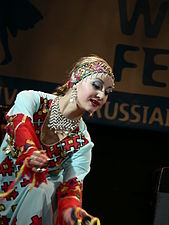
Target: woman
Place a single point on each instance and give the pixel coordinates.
(46, 152)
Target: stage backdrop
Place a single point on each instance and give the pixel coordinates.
(132, 35)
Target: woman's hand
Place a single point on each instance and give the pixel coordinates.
(67, 215)
(38, 161)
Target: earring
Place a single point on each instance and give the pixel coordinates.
(73, 95)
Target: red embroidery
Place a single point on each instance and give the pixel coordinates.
(40, 115)
(13, 194)
(70, 188)
(22, 133)
(36, 220)
(6, 167)
(4, 220)
(25, 182)
(68, 194)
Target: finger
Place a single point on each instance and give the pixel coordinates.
(43, 152)
(40, 152)
(36, 153)
(83, 213)
(36, 161)
(41, 156)
(36, 156)
(34, 169)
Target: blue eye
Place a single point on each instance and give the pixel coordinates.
(97, 85)
(108, 91)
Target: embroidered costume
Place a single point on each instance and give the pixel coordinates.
(40, 198)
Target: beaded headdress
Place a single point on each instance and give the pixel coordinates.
(88, 69)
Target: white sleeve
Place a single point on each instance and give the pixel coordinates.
(79, 164)
(27, 102)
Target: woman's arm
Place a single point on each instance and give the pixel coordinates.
(70, 191)
(21, 138)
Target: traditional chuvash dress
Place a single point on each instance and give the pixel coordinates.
(39, 198)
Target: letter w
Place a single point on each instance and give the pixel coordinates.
(142, 7)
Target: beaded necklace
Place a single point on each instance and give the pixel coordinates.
(59, 122)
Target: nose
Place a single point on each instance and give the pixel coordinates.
(101, 95)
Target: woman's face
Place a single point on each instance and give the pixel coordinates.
(92, 92)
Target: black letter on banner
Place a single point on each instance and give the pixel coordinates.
(150, 66)
(120, 62)
(142, 7)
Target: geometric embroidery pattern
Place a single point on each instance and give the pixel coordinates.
(6, 167)
(65, 148)
(36, 220)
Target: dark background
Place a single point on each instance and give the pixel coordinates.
(121, 187)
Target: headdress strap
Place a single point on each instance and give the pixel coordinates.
(88, 69)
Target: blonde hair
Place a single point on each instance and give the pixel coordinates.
(82, 61)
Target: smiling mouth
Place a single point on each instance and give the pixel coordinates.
(94, 103)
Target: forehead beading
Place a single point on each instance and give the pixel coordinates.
(89, 69)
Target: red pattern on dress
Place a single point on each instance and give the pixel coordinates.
(26, 140)
(36, 220)
(69, 196)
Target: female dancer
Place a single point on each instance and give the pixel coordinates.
(46, 152)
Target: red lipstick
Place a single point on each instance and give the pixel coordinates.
(94, 103)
